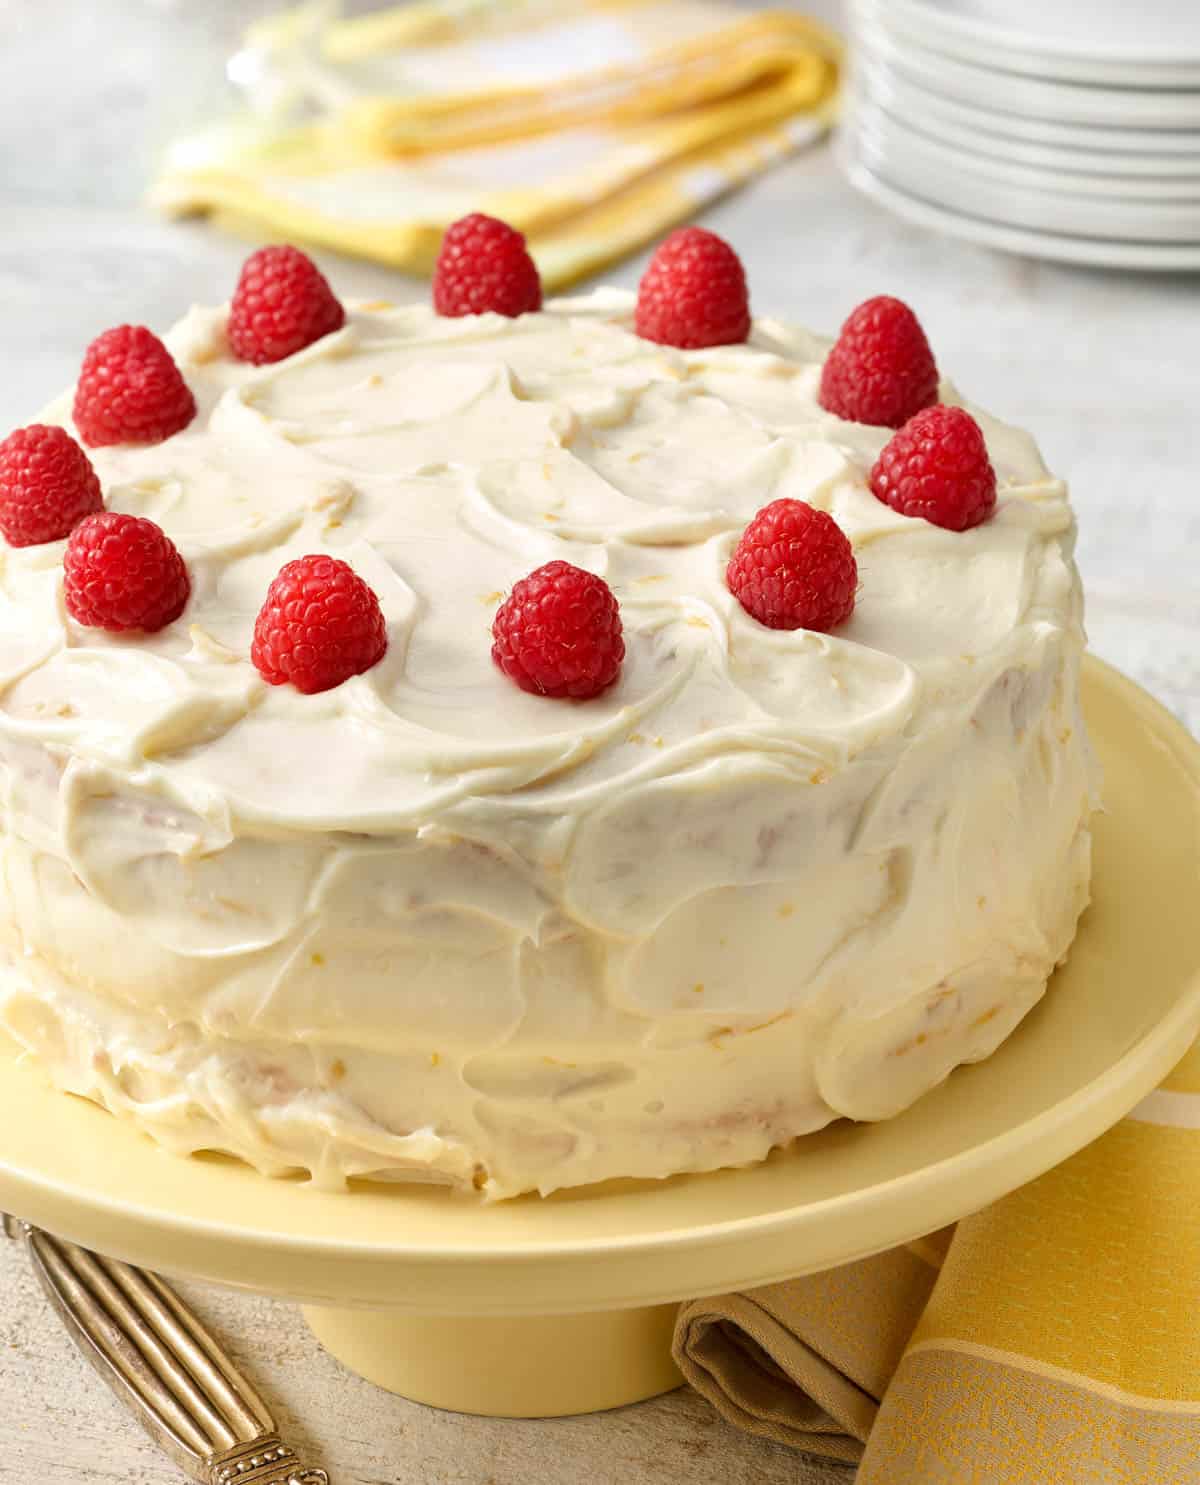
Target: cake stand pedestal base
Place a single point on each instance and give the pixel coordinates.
(507, 1366)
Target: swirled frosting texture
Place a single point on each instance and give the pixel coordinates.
(427, 924)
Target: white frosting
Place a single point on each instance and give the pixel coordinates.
(426, 924)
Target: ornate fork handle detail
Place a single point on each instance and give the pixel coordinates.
(267, 1461)
(165, 1366)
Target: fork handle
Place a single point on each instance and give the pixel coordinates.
(164, 1365)
(266, 1461)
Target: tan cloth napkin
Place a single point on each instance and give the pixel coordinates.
(1052, 1339)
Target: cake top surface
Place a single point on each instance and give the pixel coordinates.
(446, 458)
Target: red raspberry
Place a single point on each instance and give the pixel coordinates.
(130, 390)
(123, 572)
(282, 303)
(483, 266)
(320, 625)
(693, 293)
(937, 467)
(558, 633)
(794, 568)
(47, 485)
(881, 369)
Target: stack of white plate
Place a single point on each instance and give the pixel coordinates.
(1064, 129)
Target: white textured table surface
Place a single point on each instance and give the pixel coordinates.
(1101, 366)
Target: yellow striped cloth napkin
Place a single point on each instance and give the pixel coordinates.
(592, 127)
(1052, 1339)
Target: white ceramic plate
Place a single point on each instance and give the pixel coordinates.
(1091, 252)
(1033, 209)
(1152, 45)
(901, 95)
(885, 133)
(1024, 206)
(1039, 98)
(1110, 164)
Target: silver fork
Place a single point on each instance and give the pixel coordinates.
(164, 1365)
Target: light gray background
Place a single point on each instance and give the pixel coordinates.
(1105, 368)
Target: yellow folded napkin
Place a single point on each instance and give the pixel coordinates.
(592, 127)
(1052, 1339)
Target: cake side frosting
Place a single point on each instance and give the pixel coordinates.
(426, 923)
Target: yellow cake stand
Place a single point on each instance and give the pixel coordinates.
(538, 1307)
